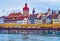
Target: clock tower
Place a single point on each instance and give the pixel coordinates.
(26, 10)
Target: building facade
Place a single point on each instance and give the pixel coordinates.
(34, 18)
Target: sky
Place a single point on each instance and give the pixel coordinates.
(8, 6)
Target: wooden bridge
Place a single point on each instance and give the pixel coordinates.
(29, 27)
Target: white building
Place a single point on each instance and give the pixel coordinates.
(55, 21)
(20, 22)
(38, 21)
(1, 20)
(24, 21)
(44, 19)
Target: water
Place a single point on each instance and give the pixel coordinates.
(27, 37)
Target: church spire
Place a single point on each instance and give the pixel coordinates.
(33, 11)
(48, 9)
(25, 4)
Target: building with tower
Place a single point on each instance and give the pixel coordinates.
(34, 18)
(26, 10)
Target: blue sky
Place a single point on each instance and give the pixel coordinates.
(7, 6)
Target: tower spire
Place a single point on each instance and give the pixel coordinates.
(48, 9)
(33, 11)
(25, 4)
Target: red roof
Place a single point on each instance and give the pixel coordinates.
(15, 15)
(19, 17)
(26, 7)
(22, 17)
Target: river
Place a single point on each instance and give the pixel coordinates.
(27, 37)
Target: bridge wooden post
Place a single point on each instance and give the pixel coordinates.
(8, 30)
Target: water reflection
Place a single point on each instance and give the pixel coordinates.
(27, 37)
